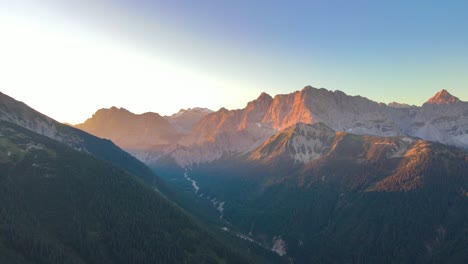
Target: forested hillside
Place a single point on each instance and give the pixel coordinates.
(58, 205)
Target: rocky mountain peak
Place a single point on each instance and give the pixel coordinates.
(308, 88)
(443, 97)
(181, 111)
(264, 97)
(117, 109)
(113, 111)
(263, 101)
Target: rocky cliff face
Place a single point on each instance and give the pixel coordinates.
(337, 110)
(299, 143)
(288, 109)
(20, 114)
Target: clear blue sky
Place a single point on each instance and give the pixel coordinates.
(164, 55)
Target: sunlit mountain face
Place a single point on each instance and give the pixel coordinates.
(231, 132)
(187, 132)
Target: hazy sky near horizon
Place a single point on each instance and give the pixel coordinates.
(67, 59)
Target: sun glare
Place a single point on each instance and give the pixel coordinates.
(41, 62)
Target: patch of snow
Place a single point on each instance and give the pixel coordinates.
(245, 237)
(225, 229)
(407, 139)
(279, 246)
(220, 207)
(384, 143)
(9, 153)
(307, 144)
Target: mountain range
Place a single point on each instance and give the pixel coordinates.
(210, 135)
(321, 176)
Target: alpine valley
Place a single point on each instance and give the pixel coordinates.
(314, 176)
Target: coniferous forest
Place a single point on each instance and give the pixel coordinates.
(58, 205)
